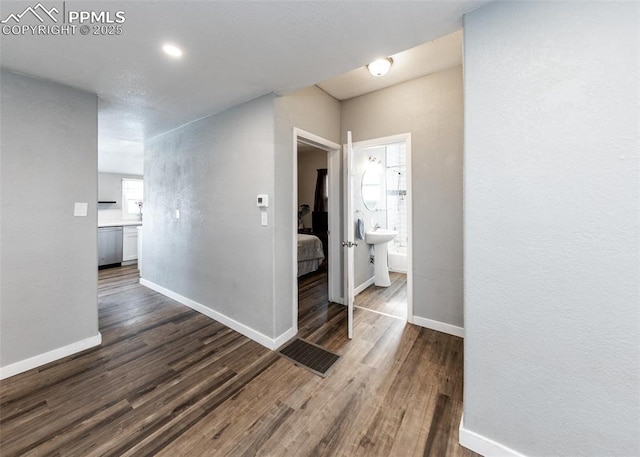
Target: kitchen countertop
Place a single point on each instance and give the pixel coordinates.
(120, 223)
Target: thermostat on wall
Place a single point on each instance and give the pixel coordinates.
(262, 201)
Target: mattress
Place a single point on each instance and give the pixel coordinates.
(310, 254)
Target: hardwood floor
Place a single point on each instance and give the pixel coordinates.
(168, 381)
(390, 300)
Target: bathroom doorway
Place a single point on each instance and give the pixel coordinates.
(381, 203)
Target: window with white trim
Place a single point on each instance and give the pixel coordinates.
(132, 198)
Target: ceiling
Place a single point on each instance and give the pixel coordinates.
(425, 59)
(234, 51)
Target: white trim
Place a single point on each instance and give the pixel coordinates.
(410, 316)
(314, 140)
(286, 336)
(364, 285)
(48, 357)
(439, 326)
(384, 140)
(380, 312)
(348, 235)
(294, 238)
(483, 445)
(335, 230)
(261, 338)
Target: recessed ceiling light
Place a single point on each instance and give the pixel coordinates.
(172, 50)
(380, 67)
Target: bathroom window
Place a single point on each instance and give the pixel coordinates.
(132, 198)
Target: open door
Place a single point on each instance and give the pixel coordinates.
(349, 242)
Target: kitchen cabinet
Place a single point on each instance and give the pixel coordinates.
(109, 191)
(129, 243)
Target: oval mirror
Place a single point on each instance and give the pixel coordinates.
(372, 187)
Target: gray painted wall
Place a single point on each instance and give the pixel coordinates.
(314, 111)
(217, 253)
(552, 347)
(430, 108)
(49, 156)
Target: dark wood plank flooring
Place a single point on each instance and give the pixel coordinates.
(390, 300)
(169, 381)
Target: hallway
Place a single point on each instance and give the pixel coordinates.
(169, 381)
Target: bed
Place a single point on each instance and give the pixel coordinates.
(310, 254)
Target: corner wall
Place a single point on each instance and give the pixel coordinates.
(552, 324)
(48, 142)
(217, 258)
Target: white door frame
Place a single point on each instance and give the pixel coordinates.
(334, 216)
(406, 138)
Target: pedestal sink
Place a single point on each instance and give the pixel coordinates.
(379, 238)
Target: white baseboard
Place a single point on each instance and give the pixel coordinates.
(363, 286)
(261, 338)
(483, 445)
(48, 357)
(286, 336)
(439, 326)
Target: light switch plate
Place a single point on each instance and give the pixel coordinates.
(265, 218)
(80, 209)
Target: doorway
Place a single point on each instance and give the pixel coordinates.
(380, 201)
(316, 254)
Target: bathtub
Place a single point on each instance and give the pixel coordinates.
(397, 257)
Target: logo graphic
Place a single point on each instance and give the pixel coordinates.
(41, 21)
(34, 10)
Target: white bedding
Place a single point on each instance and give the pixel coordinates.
(310, 254)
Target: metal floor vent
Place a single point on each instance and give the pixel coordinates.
(310, 356)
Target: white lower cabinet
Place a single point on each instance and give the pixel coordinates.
(129, 243)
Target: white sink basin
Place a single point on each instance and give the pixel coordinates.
(379, 236)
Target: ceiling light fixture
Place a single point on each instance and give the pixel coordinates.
(380, 67)
(172, 50)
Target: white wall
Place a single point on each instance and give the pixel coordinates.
(430, 108)
(363, 268)
(552, 323)
(110, 189)
(49, 264)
